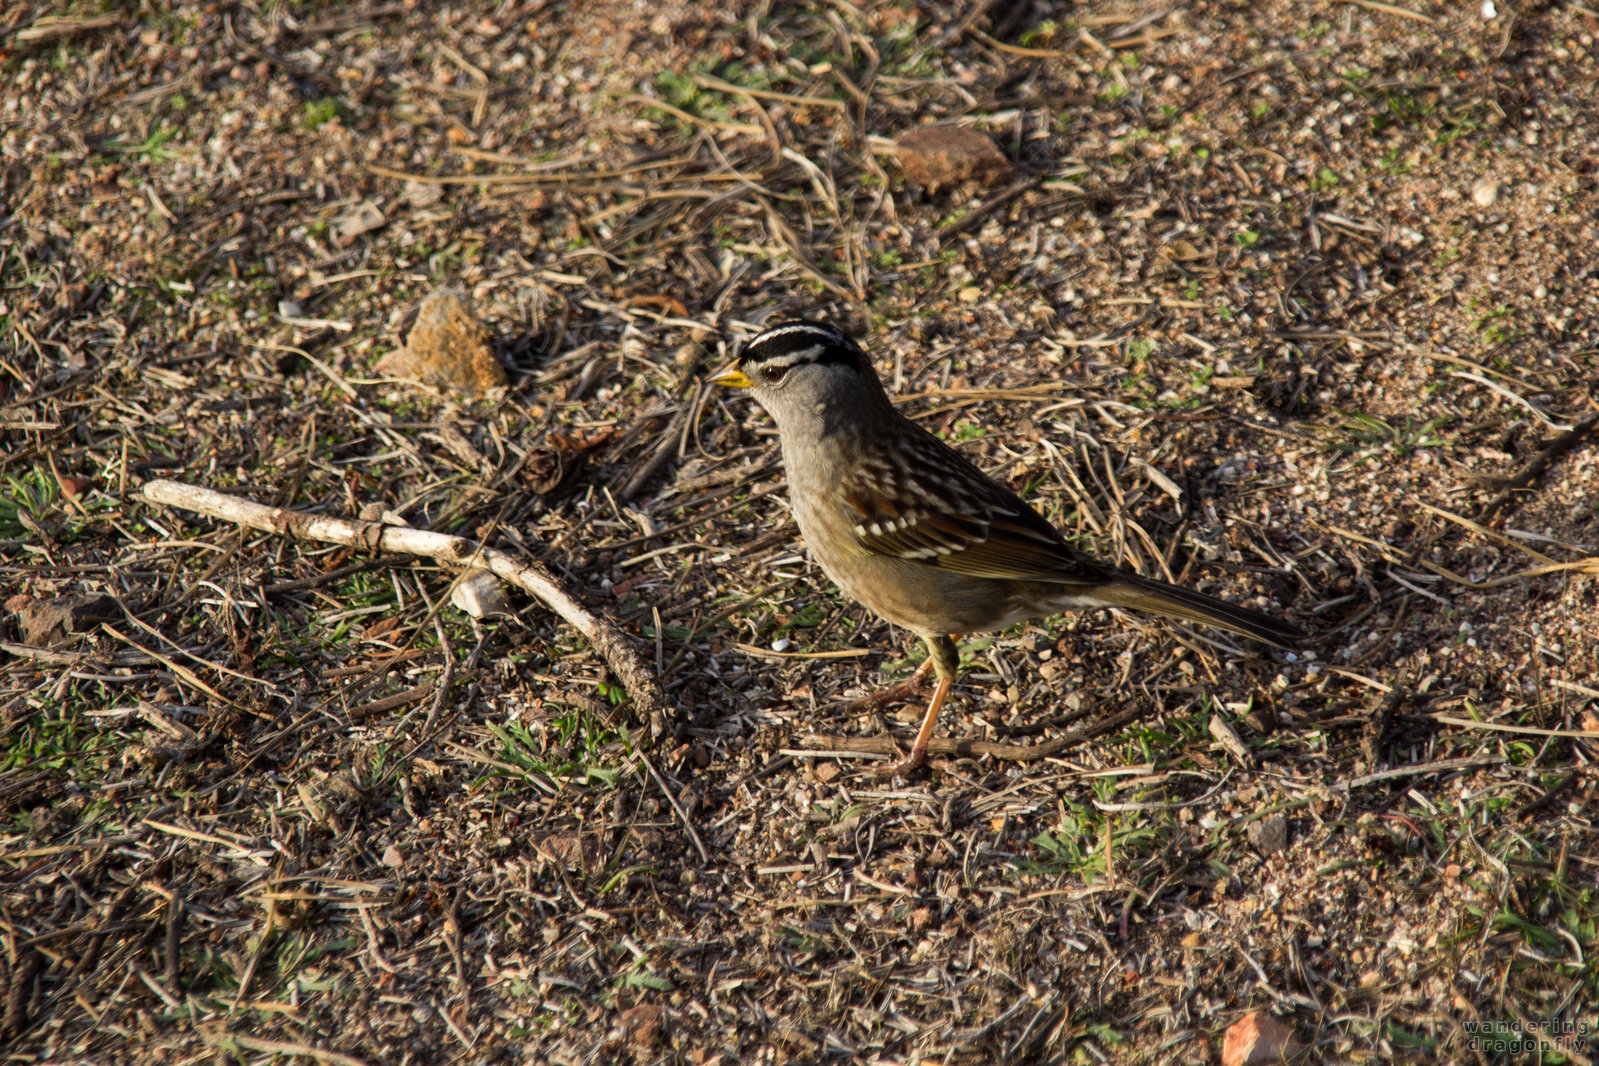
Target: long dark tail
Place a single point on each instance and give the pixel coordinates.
(1157, 597)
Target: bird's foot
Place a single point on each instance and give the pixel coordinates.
(902, 767)
(918, 755)
(911, 686)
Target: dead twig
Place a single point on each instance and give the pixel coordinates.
(665, 448)
(884, 745)
(1545, 459)
(1554, 792)
(1229, 740)
(532, 578)
(225, 1040)
(677, 808)
(1441, 766)
(1376, 732)
(976, 216)
(1525, 730)
(1394, 9)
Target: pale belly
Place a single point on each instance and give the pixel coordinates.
(923, 599)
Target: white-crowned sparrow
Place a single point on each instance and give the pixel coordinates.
(915, 532)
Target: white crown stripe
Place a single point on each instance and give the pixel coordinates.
(796, 327)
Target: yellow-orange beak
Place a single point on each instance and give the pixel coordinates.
(733, 377)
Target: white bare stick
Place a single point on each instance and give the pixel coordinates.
(447, 548)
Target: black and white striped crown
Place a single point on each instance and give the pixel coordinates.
(793, 343)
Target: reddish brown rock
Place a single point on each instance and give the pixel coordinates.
(940, 156)
(1257, 1039)
(643, 1024)
(448, 348)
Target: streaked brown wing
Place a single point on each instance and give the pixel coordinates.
(940, 510)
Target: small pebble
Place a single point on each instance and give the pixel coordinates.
(781, 644)
(1269, 835)
(1485, 193)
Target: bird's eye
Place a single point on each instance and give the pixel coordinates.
(774, 374)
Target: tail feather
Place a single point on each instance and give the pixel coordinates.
(1173, 601)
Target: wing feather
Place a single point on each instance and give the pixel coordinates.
(939, 510)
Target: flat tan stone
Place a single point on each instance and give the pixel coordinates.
(448, 348)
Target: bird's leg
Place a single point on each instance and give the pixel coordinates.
(896, 693)
(946, 660)
(918, 754)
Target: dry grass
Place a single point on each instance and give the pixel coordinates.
(1297, 302)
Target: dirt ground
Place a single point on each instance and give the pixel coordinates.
(1294, 302)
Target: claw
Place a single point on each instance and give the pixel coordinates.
(918, 755)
